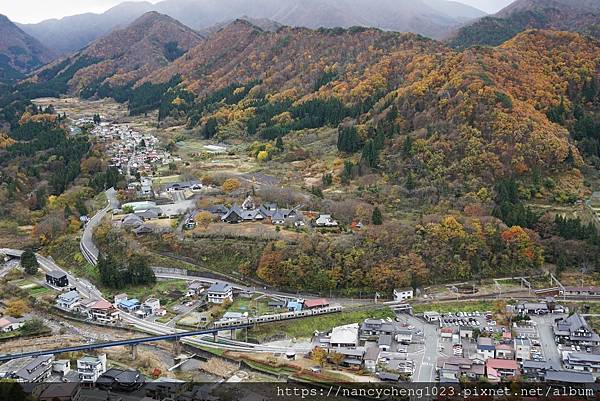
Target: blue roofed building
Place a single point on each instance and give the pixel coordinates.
(129, 305)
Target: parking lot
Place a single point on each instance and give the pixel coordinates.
(475, 320)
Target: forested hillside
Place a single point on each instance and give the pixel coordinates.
(19, 52)
(120, 58)
(469, 118)
(581, 16)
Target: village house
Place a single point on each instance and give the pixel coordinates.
(465, 332)
(61, 392)
(61, 366)
(28, 369)
(68, 300)
(129, 305)
(565, 376)
(505, 351)
(194, 288)
(582, 361)
(431, 316)
(402, 294)
(9, 323)
(575, 330)
(218, 293)
(497, 369)
(57, 278)
(90, 368)
(452, 368)
(532, 308)
(486, 347)
(344, 336)
(536, 370)
(370, 328)
(371, 357)
(522, 349)
(325, 220)
(103, 312)
(352, 356)
(248, 212)
(153, 304)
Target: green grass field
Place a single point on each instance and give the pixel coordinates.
(38, 291)
(305, 327)
(466, 306)
(254, 307)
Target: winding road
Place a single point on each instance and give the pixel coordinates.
(88, 247)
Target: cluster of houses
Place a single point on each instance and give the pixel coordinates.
(40, 368)
(249, 211)
(379, 346)
(104, 312)
(494, 359)
(150, 307)
(144, 189)
(100, 311)
(131, 151)
(498, 358)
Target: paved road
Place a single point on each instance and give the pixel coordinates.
(88, 247)
(426, 371)
(544, 326)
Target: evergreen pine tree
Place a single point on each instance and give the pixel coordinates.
(29, 262)
(377, 217)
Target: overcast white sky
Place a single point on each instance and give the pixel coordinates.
(25, 11)
(31, 11)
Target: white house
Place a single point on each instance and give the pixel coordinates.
(219, 293)
(486, 347)
(90, 368)
(522, 349)
(68, 300)
(402, 294)
(61, 366)
(153, 304)
(344, 336)
(103, 311)
(325, 220)
(195, 288)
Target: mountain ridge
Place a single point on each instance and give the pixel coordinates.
(582, 16)
(428, 17)
(125, 55)
(19, 52)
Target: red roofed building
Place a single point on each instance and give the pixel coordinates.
(315, 303)
(499, 368)
(103, 312)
